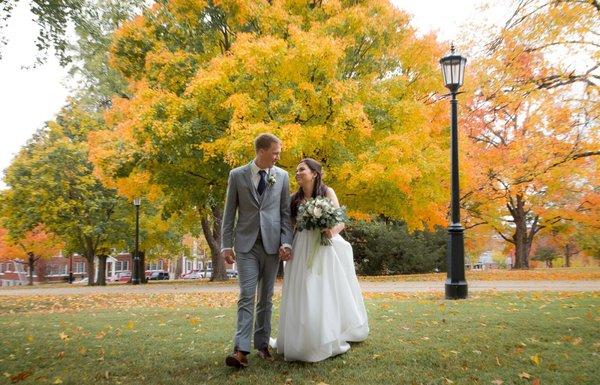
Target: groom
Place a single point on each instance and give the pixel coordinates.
(259, 193)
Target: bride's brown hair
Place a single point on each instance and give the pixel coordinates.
(319, 188)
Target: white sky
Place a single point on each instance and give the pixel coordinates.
(30, 97)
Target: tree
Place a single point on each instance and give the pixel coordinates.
(54, 19)
(546, 254)
(531, 129)
(97, 80)
(50, 182)
(387, 247)
(29, 247)
(93, 218)
(588, 239)
(346, 83)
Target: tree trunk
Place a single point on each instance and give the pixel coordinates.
(178, 267)
(90, 269)
(568, 254)
(521, 238)
(31, 262)
(211, 227)
(101, 270)
(520, 241)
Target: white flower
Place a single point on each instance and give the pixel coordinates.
(317, 212)
(271, 180)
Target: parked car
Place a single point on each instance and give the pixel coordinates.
(232, 273)
(158, 276)
(125, 276)
(206, 273)
(195, 274)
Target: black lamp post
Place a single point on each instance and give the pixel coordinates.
(71, 268)
(453, 69)
(136, 273)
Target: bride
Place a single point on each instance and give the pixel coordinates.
(321, 306)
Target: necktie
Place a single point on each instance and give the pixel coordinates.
(262, 183)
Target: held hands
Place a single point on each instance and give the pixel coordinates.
(229, 256)
(285, 253)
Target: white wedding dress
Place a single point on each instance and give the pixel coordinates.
(321, 306)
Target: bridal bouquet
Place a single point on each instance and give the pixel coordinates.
(319, 214)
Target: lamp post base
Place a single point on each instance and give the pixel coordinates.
(456, 290)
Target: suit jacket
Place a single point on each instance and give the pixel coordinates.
(269, 213)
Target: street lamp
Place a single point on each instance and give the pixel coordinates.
(71, 268)
(453, 70)
(135, 277)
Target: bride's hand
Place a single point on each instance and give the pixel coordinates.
(328, 233)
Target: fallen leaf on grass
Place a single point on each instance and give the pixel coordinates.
(537, 359)
(497, 382)
(57, 381)
(448, 381)
(63, 336)
(19, 377)
(524, 375)
(130, 325)
(60, 354)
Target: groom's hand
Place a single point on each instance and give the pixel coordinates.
(285, 253)
(229, 256)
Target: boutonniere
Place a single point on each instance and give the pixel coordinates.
(271, 180)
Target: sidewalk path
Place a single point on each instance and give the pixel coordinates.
(372, 287)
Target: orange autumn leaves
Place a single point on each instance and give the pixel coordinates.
(530, 127)
(38, 241)
(499, 275)
(324, 79)
(70, 303)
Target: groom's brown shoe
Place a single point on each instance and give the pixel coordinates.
(237, 360)
(265, 354)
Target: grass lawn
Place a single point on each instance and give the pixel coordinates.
(491, 338)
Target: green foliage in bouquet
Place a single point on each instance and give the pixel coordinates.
(319, 214)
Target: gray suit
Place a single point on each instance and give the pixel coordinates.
(267, 215)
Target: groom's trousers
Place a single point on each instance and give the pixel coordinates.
(257, 270)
